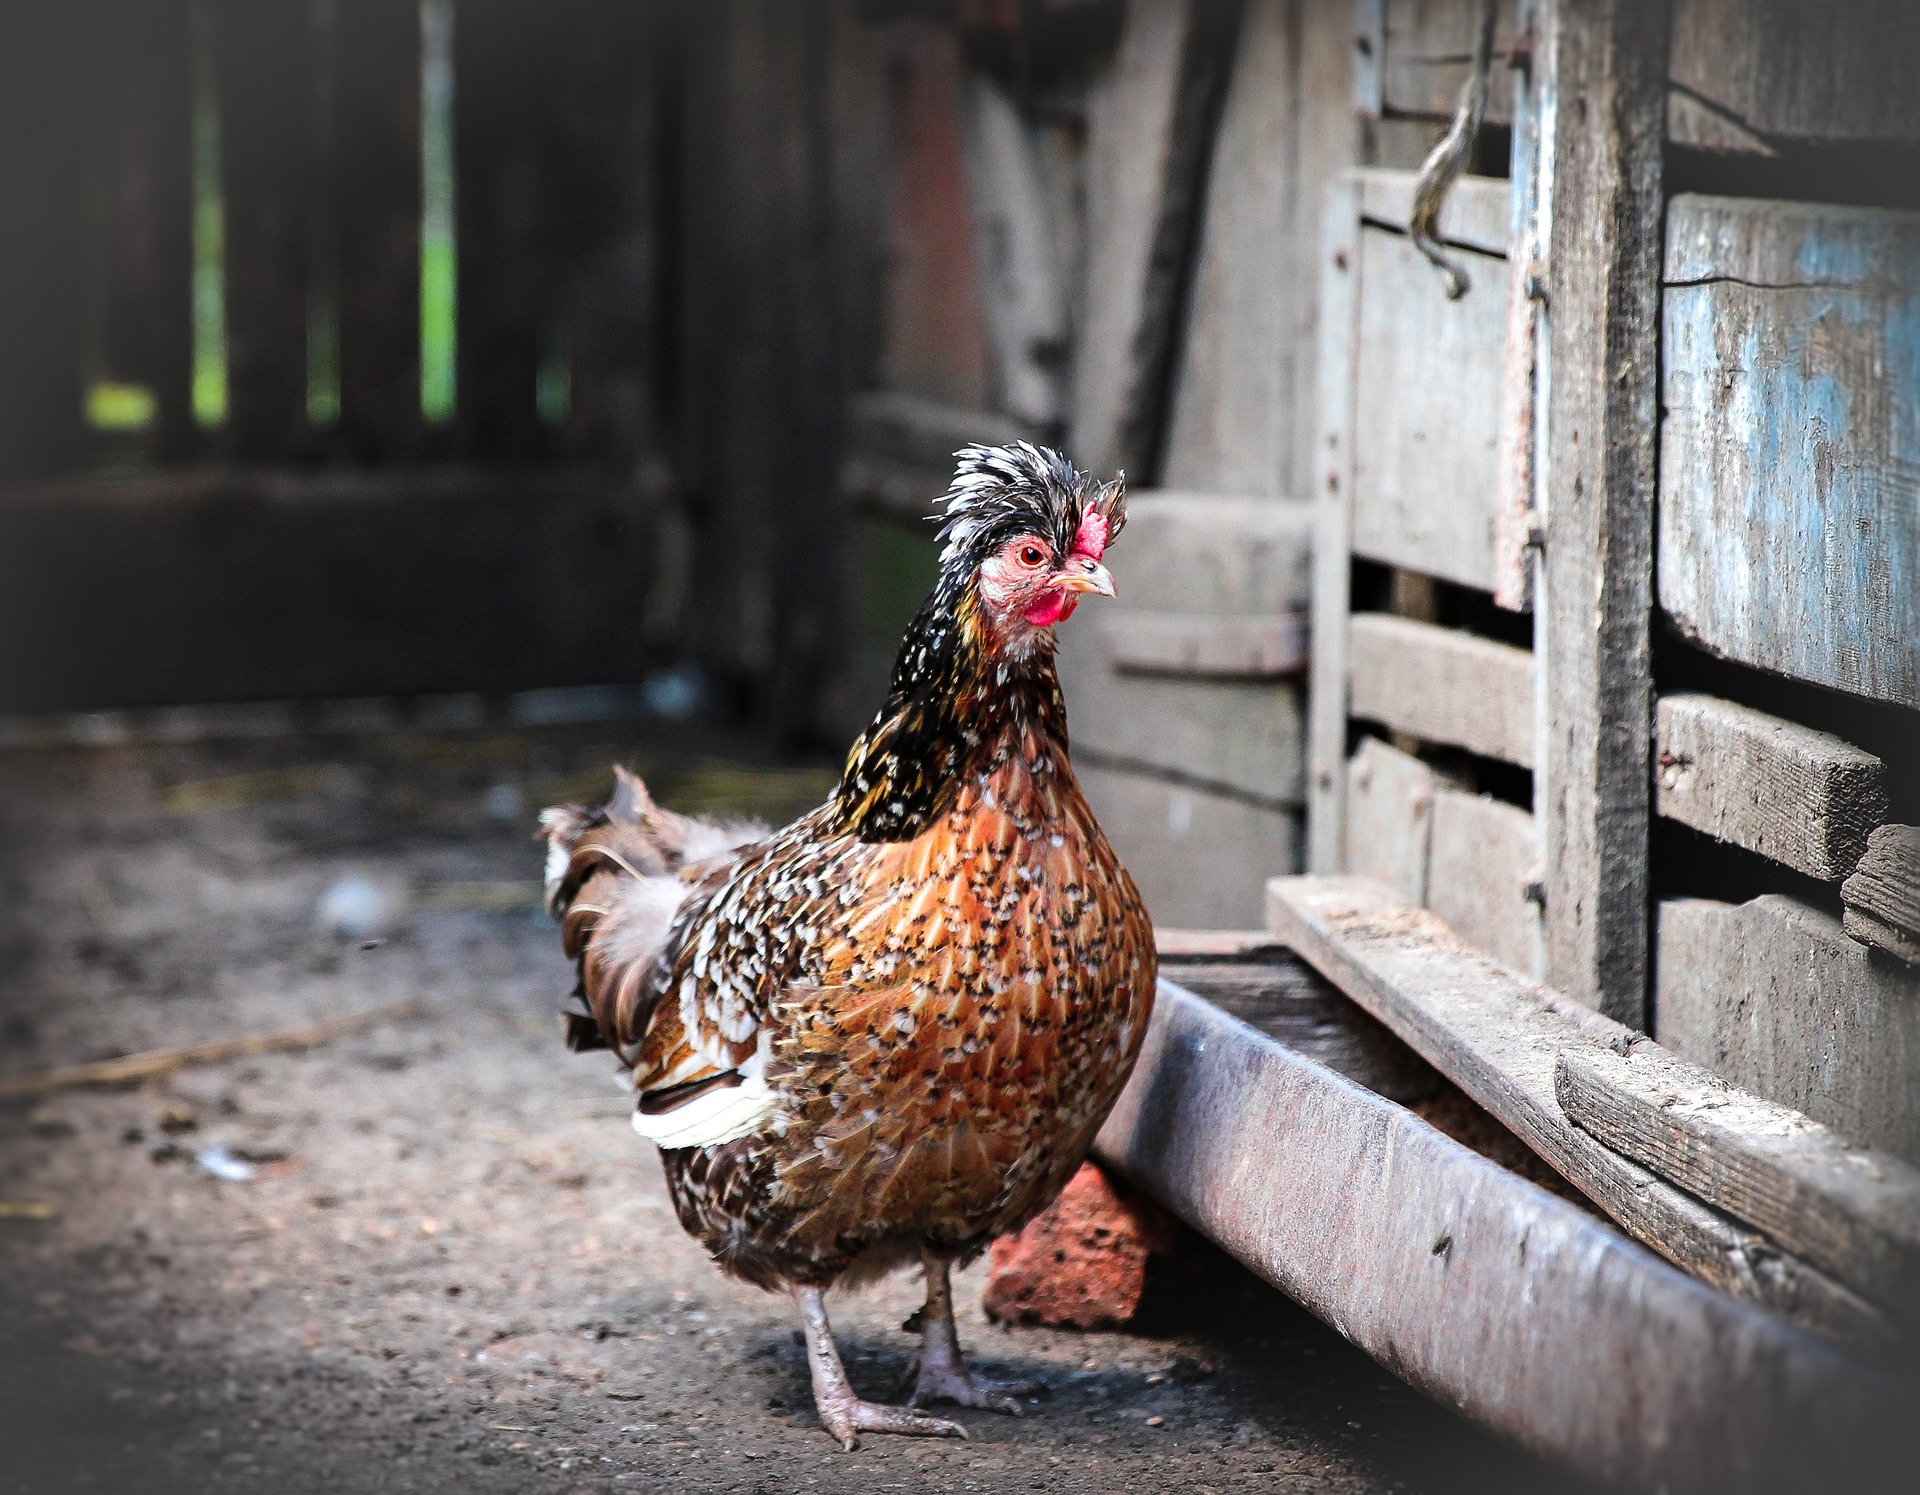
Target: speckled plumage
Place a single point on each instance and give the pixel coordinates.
(940, 977)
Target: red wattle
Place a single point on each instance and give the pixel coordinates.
(1055, 607)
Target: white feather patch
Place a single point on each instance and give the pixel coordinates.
(708, 1120)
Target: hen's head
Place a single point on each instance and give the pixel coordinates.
(1029, 532)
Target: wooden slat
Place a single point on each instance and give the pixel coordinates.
(1853, 1212)
(1603, 357)
(1483, 863)
(1428, 44)
(1882, 898)
(1475, 215)
(1792, 71)
(1775, 997)
(1245, 647)
(1443, 686)
(1497, 1036)
(1803, 798)
(1333, 533)
(1209, 554)
(1199, 857)
(1791, 363)
(1482, 1290)
(1389, 821)
(1427, 388)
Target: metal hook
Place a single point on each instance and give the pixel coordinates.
(1443, 165)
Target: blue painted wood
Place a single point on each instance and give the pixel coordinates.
(1789, 528)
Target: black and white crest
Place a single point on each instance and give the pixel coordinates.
(1002, 491)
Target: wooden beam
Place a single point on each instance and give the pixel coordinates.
(1803, 798)
(1234, 648)
(1498, 1300)
(1882, 898)
(1428, 46)
(1606, 63)
(1791, 386)
(1853, 1212)
(1497, 1036)
(1333, 531)
(1773, 995)
(1443, 686)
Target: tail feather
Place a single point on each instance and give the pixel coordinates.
(616, 876)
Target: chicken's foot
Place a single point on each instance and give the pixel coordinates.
(842, 1413)
(938, 1372)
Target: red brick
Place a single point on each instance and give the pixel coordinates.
(1082, 1262)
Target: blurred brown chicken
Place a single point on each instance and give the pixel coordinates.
(890, 1031)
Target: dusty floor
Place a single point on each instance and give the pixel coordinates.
(455, 1267)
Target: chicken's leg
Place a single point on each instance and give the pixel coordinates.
(942, 1375)
(841, 1412)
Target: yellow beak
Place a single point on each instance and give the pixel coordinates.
(1087, 576)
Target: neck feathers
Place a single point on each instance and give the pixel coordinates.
(952, 704)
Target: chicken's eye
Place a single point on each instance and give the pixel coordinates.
(1032, 556)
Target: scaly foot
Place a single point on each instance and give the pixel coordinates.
(846, 1417)
(957, 1383)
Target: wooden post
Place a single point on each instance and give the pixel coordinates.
(1605, 67)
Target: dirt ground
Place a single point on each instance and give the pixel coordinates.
(455, 1267)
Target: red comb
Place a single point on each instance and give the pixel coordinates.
(1092, 536)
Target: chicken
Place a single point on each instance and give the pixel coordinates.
(888, 1032)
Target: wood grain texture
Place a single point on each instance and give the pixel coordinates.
(1426, 412)
(1443, 686)
(1390, 797)
(1853, 1212)
(1773, 995)
(1247, 647)
(1803, 798)
(1333, 533)
(1498, 1037)
(1480, 1289)
(1605, 63)
(1484, 859)
(1791, 383)
(1428, 45)
(1286, 999)
(1198, 857)
(1474, 216)
(1882, 897)
(1792, 71)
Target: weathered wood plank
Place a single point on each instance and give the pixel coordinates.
(1283, 997)
(1803, 798)
(1390, 797)
(1498, 1036)
(1853, 1212)
(1775, 997)
(1199, 857)
(1483, 864)
(1882, 898)
(1443, 686)
(1333, 533)
(1793, 71)
(1606, 64)
(1792, 389)
(1247, 647)
(1428, 46)
(1426, 410)
(1475, 215)
(1231, 428)
(1209, 555)
(1425, 1254)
